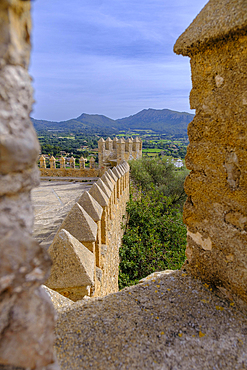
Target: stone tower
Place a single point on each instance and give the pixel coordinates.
(216, 209)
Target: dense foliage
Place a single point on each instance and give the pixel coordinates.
(155, 236)
(161, 175)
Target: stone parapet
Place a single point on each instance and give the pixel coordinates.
(216, 209)
(71, 171)
(90, 235)
(114, 152)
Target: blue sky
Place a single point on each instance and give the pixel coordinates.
(111, 57)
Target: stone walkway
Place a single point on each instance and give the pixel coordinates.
(52, 200)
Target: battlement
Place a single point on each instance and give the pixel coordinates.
(113, 152)
(68, 168)
(85, 250)
(110, 152)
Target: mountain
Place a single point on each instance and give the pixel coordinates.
(163, 121)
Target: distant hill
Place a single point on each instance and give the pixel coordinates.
(163, 121)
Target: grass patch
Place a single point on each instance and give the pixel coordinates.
(153, 150)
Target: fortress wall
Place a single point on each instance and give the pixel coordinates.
(85, 250)
(26, 314)
(216, 209)
(71, 172)
(118, 150)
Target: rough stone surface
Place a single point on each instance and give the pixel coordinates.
(110, 172)
(169, 322)
(71, 172)
(73, 266)
(215, 211)
(113, 152)
(58, 300)
(91, 206)
(217, 21)
(107, 181)
(99, 195)
(80, 224)
(15, 29)
(28, 329)
(26, 314)
(99, 229)
(19, 145)
(104, 188)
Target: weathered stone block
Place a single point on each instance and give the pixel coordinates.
(215, 211)
(79, 224)
(15, 29)
(99, 195)
(19, 145)
(91, 206)
(28, 336)
(26, 314)
(73, 265)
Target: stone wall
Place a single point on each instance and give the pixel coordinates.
(110, 152)
(71, 172)
(26, 314)
(216, 209)
(113, 152)
(85, 250)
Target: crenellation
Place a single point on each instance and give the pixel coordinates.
(82, 163)
(42, 162)
(136, 146)
(72, 170)
(72, 162)
(78, 215)
(72, 274)
(104, 188)
(110, 186)
(108, 181)
(92, 162)
(115, 141)
(118, 175)
(113, 153)
(128, 146)
(109, 144)
(110, 154)
(113, 178)
(62, 162)
(95, 222)
(215, 211)
(52, 162)
(113, 185)
(99, 195)
(93, 208)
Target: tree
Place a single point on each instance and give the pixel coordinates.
(154, 240)
(162, 175)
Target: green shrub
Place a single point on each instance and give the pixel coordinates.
(161, 174)
(155, 236)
